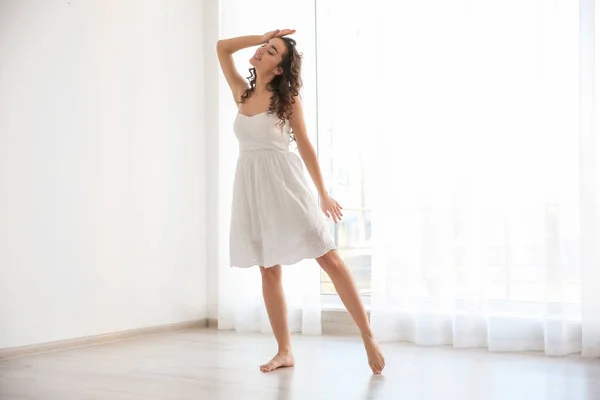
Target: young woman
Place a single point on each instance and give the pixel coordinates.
(275, 219)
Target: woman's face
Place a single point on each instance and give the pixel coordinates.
(268, 56)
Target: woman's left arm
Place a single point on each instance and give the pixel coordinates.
(329, 206)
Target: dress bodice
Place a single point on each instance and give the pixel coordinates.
(261, 132)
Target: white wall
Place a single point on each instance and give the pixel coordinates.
(102, 168)
(212, 74)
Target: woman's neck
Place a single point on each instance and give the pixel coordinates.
(263, 83)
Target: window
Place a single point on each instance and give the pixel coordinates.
(345, 32)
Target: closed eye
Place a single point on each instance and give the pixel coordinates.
(271, 48)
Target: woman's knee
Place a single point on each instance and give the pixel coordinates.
(271, 274)
(331, 262)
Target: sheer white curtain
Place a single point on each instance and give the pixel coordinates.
(485, 214)
(240, 303)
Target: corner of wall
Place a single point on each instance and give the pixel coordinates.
(211, 128)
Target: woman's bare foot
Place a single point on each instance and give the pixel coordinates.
(281, 360)
(374, 355)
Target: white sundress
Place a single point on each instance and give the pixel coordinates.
(275, 219)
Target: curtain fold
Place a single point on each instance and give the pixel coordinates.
(485, 223)
(590, 175)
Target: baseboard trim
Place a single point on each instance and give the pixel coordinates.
(23, 351)
(335, 322)
(212, 323)
(338, 322)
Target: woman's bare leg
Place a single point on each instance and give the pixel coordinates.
(274, 297)
(344, 284)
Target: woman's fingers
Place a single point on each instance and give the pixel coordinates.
(332, 209)
(337, 210)
(271, 34)
(285, 32)
(330, 212)
(336, 213)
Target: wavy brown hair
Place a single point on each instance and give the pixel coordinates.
(285, 87)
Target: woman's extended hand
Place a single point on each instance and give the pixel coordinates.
(331, 208)
(277, 33)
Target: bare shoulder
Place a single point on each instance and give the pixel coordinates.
(297, 115)
(297, 121)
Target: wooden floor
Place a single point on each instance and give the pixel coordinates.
(207, 364)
